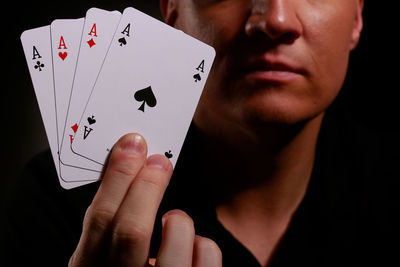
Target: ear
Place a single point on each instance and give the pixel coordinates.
(169, 11)
(358, 24)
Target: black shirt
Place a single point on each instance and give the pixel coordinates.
(345, 218)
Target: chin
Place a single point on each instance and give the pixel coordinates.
(279, 111)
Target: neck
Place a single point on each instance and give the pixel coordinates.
(274, 166)
(262, 176)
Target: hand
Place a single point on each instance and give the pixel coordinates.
(119, 222)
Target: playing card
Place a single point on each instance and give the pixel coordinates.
(150, 83)
(66, 38)
(97, 34)
(37, 48)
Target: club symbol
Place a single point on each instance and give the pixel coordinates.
(146, 96)
(122, 41)
(197, 77)
(91, 120)
(39, 65)
(168, 154)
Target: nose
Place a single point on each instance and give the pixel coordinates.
(275, 19)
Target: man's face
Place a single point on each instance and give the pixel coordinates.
(279, 61)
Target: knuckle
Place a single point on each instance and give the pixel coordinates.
(122, 171)
(181, 220)
(71, 261)
(154, 176)
(77, 260)
(152, 180)
(125, 164)
(127, 232)
(209, 245)
(99, 217)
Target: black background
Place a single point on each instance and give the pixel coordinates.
(369, 94)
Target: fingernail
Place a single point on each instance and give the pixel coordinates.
(133, 143)
(159, 161)
(171, 212)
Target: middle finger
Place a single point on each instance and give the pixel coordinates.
(134, 221)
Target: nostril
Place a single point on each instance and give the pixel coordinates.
(257, 31)
(277, 21)
(289, 37)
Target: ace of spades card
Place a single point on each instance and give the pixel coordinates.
(149, 84)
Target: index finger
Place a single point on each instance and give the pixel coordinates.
(126, 160)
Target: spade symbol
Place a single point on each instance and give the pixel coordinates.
(197, 77)
(91, 120)
(122, 41)
(168, 154)
(146, 96)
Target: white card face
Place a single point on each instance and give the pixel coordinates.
(66, 38)
(37, 48)
(97, 34)
(150, 83)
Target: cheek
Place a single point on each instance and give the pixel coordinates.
(215, 26)
(328, 41)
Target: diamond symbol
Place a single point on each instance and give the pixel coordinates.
(74, 127)
(91, 43)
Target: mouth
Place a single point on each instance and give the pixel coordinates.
(272, 71)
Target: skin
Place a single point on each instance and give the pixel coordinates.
(279, 65)
(118, 224)
(252, 107)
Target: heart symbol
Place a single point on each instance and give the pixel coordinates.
(62, 55)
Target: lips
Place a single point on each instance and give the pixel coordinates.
(269, 70)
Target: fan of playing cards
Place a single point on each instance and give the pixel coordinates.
(108, 74)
